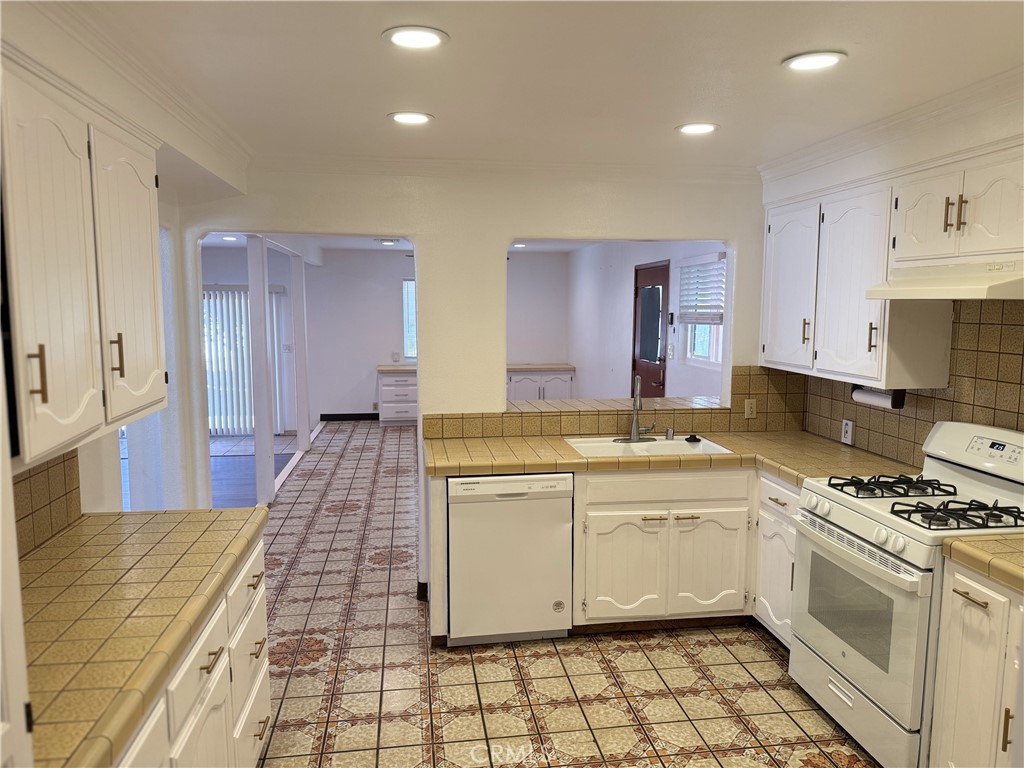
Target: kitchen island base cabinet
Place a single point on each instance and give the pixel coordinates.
(661, 544)
(977, 714)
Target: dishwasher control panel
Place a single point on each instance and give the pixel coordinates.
(509, 486)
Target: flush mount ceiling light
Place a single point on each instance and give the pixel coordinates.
(229, 238)
(518, 245)
(694, 129)
(814, 60)
(388, 241)
(411, 118)
(415, 37)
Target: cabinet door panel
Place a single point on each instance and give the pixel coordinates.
(972, 644)
(920, 218)
(791, 257)
(775, 557)
(1013, 694)
(556, 386)
(851, 259)
(626, 564)
(994, 209)
(206, 737)
(129, 275)
(524, 386)
(51, 269)
(707, 558)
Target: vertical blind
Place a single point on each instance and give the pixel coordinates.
(409, 317)
(702, 292)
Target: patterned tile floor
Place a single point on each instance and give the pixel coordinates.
(357, 685)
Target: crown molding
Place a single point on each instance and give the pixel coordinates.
(997, 91)
(437, 168)
(145, 76)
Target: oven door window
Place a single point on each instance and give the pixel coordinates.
(851, 609)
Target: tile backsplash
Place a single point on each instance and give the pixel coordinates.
(984, 388)
(46, 500)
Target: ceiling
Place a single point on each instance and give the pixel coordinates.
(560, 83)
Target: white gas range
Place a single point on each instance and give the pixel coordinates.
(867, 582)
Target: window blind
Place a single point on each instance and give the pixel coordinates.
(702, 292)
(409, 317)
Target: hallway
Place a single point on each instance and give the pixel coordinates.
(355, 683)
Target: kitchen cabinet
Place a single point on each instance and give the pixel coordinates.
(661, 544)
(971, 209)
(205, 738)
(977, 691)
(397, 396)
(776, 557)
(151, 747)
(790, 268)
(80, 221)
(816, 318)
(539, 385)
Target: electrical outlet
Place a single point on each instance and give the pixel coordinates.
(847, 436)
(750, 408)
(375, 406)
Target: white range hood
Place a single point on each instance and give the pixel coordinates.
(990, 280)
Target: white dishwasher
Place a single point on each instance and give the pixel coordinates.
(509, 557)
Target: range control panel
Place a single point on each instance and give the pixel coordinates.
(995, 450)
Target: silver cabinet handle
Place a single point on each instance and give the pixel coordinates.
(968, 596)
(43, 391)
(872, 331)
(654, 518)
(1007, 717)
(780, 502)
(946, 223)
(208, 669)
(961, 222)
(119, 343)
(803, 333)
(687, 517)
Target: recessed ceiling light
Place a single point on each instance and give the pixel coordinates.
(518, 245)
(411, 118)
(229, 238)
(415, 37)
(814, 60)
(388, 241)
(697, 128)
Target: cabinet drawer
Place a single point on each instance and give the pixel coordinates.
(668, 487)
(398, 411)
(209, 653)
(399, 394)
(778, 496)
(397, 379)
(248, 651)
(244, 588)
(252, 728)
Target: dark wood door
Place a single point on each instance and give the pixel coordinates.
(650, 328)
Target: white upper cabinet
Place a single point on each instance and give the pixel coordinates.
(51, 268)
(971, 211)
(851, 259)
(790, 266)
(127, 222)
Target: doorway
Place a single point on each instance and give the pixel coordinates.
(650, 327)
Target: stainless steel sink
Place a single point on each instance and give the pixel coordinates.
(591, 447)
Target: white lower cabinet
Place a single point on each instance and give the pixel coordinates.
(539, 385)
(977, 715)
(205, 737)
(151, 748)
(776, 557)
(661, 544)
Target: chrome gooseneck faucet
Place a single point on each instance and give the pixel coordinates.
(635, 430)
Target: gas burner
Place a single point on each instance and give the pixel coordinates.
(954, 513)
(880, 486)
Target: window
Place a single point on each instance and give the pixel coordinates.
(702, 307)
(409, 318)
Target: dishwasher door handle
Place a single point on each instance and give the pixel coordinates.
(522, 495)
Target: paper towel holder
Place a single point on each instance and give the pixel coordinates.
(897, 397)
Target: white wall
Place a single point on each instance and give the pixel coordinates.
(354, 324)
(538, 308)
(601, 278)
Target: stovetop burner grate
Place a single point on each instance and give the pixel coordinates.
(956, 514)
(890, 486)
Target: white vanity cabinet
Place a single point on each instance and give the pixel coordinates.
(80, 222)
(977, 714)
(397, 396)
(776, 556)
(661, 544)
(539, 384)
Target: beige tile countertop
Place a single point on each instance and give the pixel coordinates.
(1000, 556)
(111, 605)
(791, 456)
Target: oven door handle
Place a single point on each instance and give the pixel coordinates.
(920, 585)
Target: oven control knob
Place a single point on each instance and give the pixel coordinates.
(898, 544)
(812, 501)
(881, 536)
(824, 508)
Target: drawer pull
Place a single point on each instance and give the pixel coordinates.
(961, 222)
(43, 391)
(946, 223)
(208, 669)
(256, 579)
(687, 517)
(259, 648)
(780, 502)
(804, 336)
(1007, 717)
(968, 596)
(653, 518)
(872, 333)
(399, 381)
(119, 343)
(264, 724)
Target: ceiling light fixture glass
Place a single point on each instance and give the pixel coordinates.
(814, 60)
(229, 238)
(415, 37)
(694, 129)
(518, 245)
(411, 118)
(388, 241)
